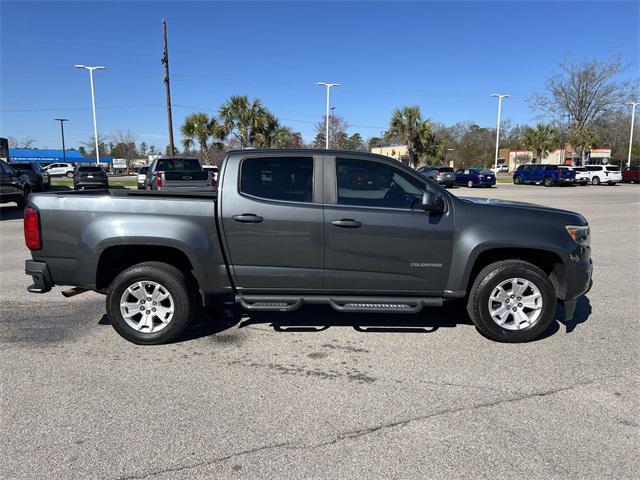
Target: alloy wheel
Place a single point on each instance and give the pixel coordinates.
(147, 306)
(515, 304)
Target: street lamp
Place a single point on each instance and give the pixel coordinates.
(328, 86)
(500, 97)
(62, 120)
(633, 117)
(93, 106)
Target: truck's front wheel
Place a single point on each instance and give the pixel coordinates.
(512, 301)
(150, 303)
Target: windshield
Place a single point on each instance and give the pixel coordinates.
(90, 169)
(445, 169)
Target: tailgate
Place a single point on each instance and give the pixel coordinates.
(186, 180)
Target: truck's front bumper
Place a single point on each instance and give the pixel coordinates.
(39, 271)
(578, 282)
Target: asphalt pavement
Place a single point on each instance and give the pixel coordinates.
(317, 394)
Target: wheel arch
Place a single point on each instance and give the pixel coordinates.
(548, 261)
(115, 259)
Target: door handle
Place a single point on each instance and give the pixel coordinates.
(346, 223)
(248, 218)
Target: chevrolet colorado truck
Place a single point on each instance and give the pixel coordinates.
(356, 231)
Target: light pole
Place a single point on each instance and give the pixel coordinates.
(500, 97)
(633, 117)
(64, 152)
(328, 86)
(93, 106)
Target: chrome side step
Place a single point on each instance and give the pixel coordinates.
(288, 303)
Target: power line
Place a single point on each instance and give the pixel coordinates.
(54, 109)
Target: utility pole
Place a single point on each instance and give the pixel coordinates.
(62, 120)
(633, 117)
(165, 62)
(500, 97)
(328, 85)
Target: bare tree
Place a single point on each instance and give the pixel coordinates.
(124, 146)
(585, 91)
(338, 127)
(26, 142)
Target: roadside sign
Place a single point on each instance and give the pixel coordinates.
(119, 163)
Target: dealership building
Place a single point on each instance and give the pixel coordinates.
(45, 156)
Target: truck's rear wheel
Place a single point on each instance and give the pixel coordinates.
(150, 303)
(512, 301)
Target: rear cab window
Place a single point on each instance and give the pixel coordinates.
(178, 164)
(90, 169)
(288, 179)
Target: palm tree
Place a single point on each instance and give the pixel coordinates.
(406, 125)
(200, 127)
(540, 140)
(583, 138)
(244, 118)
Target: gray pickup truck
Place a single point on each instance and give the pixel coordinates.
(356, 231)
(177, 173)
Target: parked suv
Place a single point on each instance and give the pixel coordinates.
(632, 174)
(60, 170)
(582, 176)
(11, 190)
(90, 177)
(610, 174)
(443, 175)
(547, 175)
(31, 174)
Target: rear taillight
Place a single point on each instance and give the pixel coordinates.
(214, 182)
(32, 229)
(158, 180)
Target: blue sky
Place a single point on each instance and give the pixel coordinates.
(446, 57)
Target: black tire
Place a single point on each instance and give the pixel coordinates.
(69, 174)
(548, 182)
(595, 181)
(22, 201)
(171, 279)
(491, 276)
(517, 180)
(470, 184)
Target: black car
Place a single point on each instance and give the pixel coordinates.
(90, 177)
(32, 174)
(11, 189)
(443, 175)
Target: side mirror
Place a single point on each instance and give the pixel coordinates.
(432, 202)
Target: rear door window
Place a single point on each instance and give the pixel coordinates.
(612, 169)
(274, 178)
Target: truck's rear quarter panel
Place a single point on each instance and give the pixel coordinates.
(78, 227)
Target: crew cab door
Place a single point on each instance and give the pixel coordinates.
(378, 240)
(272, 221)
